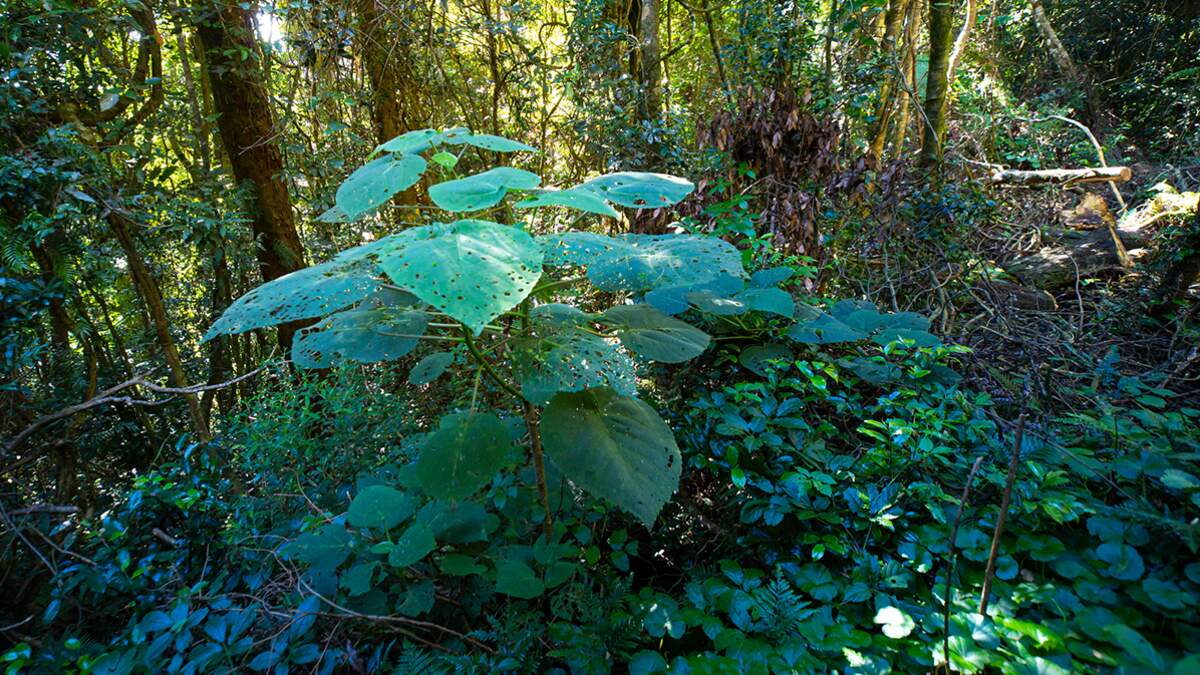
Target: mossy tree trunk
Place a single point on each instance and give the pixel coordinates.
(937, 86)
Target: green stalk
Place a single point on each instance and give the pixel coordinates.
(488, 368)
(533, 424)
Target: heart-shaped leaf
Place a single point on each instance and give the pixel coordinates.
(472, 270)
(482, 190)
(430, 368)
(615, 447)
(578, 198)
(362, 335)
(375, 182)
(462, 455)
(571, 361)
(649, 333)
(641, 190)
(304, 294)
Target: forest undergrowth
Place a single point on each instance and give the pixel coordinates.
(757, 337)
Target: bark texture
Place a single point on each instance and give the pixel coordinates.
(247, 129)
(941, 33)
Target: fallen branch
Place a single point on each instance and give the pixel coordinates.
(1102, 174)
(109, 396)
(44, 508)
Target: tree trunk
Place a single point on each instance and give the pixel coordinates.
(384, 58)
(960, 43)
(909, 77)
(248, 133)
(147, 287)
(1062, 58)
(650, 52)
(941, 33)
(220, 358)
(383, 46)
(893, 19)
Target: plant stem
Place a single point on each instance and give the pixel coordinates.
(535, 438)
(539, 465)
(1008, 486)
(504, 384)
(556, 284)
(962, 506)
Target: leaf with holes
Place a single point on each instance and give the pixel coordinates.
(578, 198)
(576, 249)
(362, 335)
(571, 361)
(649, 333)
(715, 296)
(641, 262)
(430, 368)
(304, 294)
(374, 183)
(472, 270)
(482, 190)
(556, 315)
(615, 447)
(462, 455)
(641, 190)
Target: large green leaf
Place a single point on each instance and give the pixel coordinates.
(380, 507)
(641, 190)
(649, 333)
(470, 269)
(615, 447)
(854, 320)
(424, 139)
(416, 543)
(326, 548)
(578, 198)
(495, 143)
(716, 296)
(555, 315)
(304, 294)
(769, 300)
(430, 368)
(362, 335)
(640, 262)
(482, 190)
(517, 579)
(576, 249)
(758, 358)
(571, 361)
(411, 142)
(462, 455)
(376, 181)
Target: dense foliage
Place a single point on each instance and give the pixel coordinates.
(587, 337)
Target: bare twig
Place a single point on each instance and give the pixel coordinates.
(109, 396)
(1004, 501)
(962, 506)
(44, 508)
